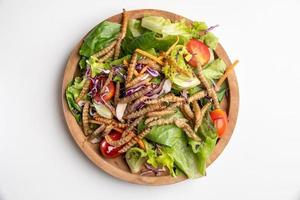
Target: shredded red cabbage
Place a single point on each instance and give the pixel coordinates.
(211, 28)
(152, 72)
(132, 90)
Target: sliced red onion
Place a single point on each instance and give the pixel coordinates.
(211, 28)
(132, 90)
(152, 72)
(106, 71)
(184, 94)
(88, 72)
(140, 105)
(157, 89)
(166, 88)
(139, 67)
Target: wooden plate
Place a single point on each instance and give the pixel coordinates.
(117, 167)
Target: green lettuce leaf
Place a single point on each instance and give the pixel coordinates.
(210, 40)
(166, 160)
(72, 92)
(155, 23)
(204, 149)
(134, 27)
(100, 37)
(215, 69)
(147, 41)
(135, 158)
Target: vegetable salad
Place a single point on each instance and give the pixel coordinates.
(149, 91)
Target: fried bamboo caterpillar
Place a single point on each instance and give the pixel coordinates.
(105, 50)
(106, 56)
(197, 111)
(187, 129)
(132, 125)
(210, 91)
(143, 70)
(160, 122)
(122, 34)
(85, 118)
(150, 63)
(175, 105)
(117, 93)
(197, 96)
(186, 109)
(135, 95)
(107, 130)
(121, 141)
(102, 120)
(151, 119)
(167, 98)
(138, 79)
(97, 132)
(84, 90)
(161, 113)
(134, 140)
(131, 68)
(137, 102)
(144, 110)
(107, 81)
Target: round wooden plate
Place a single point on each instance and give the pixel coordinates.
(117, 167)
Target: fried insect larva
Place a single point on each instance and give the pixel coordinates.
(211, 92)
(85, 118)
(133, 106)
(138, 80)
(105, 50)
(151, 119)
(175, 105)
(134, 140)
(131, 68)
(160, 122)
(150, 63)
(203, 112)
(107, 130)
(84, 90)
(135, 72)
(121, 141)
(132, 125)
(117, 94)
(145, 110)
(135, 95)
(122, 34)
(197, 96)
(160, 113)
(143, 70)
(97, 132)
(166, 98)
(197, 111)
(187, 111)
(107, 81)
(102, 120)
(106, 56)
(187, 129)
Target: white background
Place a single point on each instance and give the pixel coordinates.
(38, 158)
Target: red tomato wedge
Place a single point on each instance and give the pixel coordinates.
(199, 51)
(109, 92)
(108, 150)
(219, 117)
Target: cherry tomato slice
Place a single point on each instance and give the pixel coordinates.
(108, 150)
(219, 117)
(199, 51)
(109, 91)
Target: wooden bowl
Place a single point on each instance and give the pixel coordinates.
(117, 167)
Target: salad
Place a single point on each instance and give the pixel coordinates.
(149, 90)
